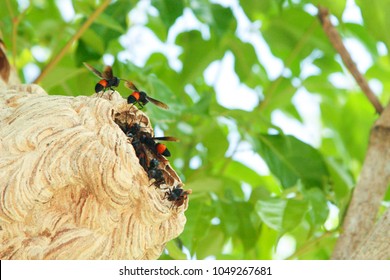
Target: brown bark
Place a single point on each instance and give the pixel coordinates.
(377, 245)
(360, 230)
(362, 237)
(71, 186)
(335, 39)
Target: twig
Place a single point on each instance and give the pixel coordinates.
(75, 37)
(308, 245)
(14, 29)
(15, 24)
(335, 39)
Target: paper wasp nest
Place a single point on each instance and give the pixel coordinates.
(71, 186)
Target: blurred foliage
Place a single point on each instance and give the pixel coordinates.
(285, 187)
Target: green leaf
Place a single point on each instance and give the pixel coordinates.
(202, 10)
(93, 41)
(223, 20)
(174, 251)
(351, 134)
(295, 211)
(113, 22)
(194, 57)
(375, 17)
(257, 10)
(293, 35)
(215, 141)
(335, 7)
(202, 107)
(66, 73)
(110, 22)
(236, 217)
(318, 206)
(84, 52)
(279, 98)
(342, 182)
(212, 243)
(205, 184)
(290, 159)
(327, 65)
(169, 11)
(281, 215)
(245, 60)
(271, 212)
(261, 193)
(266, 243)
(313, 85)
(117, 13)
(198, 226)
(157, 26)
(242, 173)
(361, 33)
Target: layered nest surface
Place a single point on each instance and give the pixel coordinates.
(71, 184)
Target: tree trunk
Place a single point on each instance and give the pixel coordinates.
(71, 186)
(363, 237)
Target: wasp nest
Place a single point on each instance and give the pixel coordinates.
(71, 185)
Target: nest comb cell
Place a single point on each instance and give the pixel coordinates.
(71, 184)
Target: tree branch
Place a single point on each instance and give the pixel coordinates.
(377, 245)
(373, 182)
(15, 24)
(75, 37)
(369, 192)
(337, 43)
